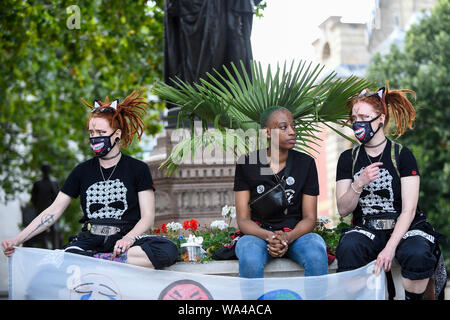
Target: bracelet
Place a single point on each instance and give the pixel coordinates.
(358, 192)
(132, 238)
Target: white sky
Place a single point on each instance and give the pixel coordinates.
(289, 27)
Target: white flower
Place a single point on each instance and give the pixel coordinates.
(233, 212)
(195, 240)
(174, 226)
(219, 224)
(225, 210)
(229, 211)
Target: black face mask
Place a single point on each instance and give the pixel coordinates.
(363, 130)
(102, 145)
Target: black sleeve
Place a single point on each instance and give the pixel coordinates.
(72, 185)
(311, 186)
(344, 166)
(144, 177)
(408, 164)
(240, 181)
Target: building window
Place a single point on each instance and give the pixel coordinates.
(326, 52)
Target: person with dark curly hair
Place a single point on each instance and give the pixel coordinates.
(116, 193)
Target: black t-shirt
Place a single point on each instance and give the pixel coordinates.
(117, 197)
(383, 195)
(255, 175)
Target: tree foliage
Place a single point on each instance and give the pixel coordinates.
(423, 66)
(52, 53)
(48, 62)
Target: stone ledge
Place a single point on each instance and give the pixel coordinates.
(275, 268)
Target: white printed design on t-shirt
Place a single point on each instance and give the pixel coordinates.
(106, 199)
(289, 195)
(380, 196)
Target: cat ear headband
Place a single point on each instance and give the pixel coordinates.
(381, 93)
(366, 93)
(97, 106)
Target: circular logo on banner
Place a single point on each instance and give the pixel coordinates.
(281, 294)
(260, 189)
(290, 181)
(185, 290)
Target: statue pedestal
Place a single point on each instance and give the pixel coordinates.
(194, 191)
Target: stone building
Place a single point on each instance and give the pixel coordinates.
(196, 190)
(342, 47)
(390, 21)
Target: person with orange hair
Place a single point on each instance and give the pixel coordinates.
(378, 181)
(116, 193)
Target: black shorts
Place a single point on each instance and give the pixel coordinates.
(161, 251)
(415, 253)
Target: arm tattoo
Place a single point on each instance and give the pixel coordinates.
(46, 221)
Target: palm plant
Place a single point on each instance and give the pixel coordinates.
(235, 100)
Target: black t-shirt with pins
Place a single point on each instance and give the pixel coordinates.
(253, 173)
(383, 195)
(114, 197)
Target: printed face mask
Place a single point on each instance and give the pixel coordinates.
(102, 145)
(363, 130)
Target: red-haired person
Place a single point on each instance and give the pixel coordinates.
(378, 181)
(116, 194)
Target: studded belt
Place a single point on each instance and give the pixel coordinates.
(379, 224)
(102, 230)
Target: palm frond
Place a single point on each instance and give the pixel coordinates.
(221, 143)
(235, 99)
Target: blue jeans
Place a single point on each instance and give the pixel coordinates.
(309, 251)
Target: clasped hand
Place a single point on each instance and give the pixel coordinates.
(277, 244)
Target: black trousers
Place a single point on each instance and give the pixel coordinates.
(415, 253)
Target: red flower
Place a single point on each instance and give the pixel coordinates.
(194, 224)
(157, 230)
(164, 228)
(414, 172)
(186, 225)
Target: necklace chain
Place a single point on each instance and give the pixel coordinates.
(381, 156)
(101, 171)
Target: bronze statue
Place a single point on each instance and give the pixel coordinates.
(200, 35)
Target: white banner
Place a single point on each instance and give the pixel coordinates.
(54, 274)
